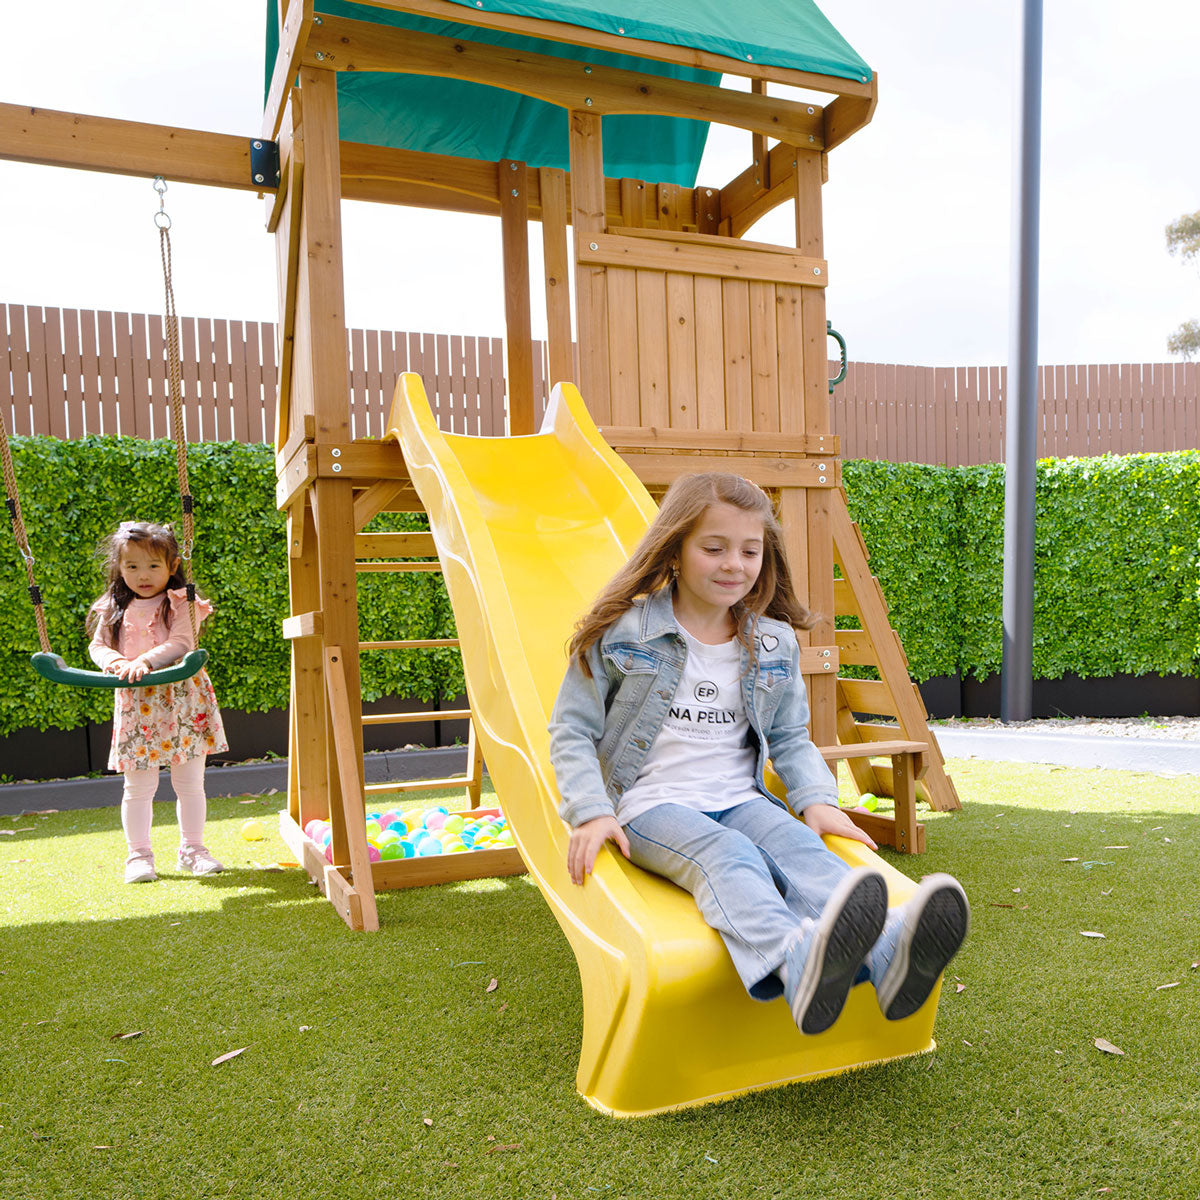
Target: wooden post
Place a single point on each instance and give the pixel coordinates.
(591, 302)
(358, 902)
(308, 775)
(810, 241)
(320, 313)
(555, 252)
(514, 232)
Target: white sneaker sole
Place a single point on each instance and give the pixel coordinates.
(935, 926)
(846, 930)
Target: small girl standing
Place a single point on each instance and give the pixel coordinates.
(682, 681)
(141, 624)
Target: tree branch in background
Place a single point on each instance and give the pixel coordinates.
(1183, 238)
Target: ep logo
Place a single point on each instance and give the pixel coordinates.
(706, 692)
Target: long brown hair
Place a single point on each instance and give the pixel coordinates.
(109, 611)
(649, 567)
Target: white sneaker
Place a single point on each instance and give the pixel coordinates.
(918, 944)
(822, 963)
(198, 861)
(139, 868)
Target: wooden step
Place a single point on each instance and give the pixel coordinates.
(871, 750)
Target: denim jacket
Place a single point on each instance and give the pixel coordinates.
(602, 728)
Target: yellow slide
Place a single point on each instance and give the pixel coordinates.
(528, 529)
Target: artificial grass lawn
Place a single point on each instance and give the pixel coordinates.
(381, 1065)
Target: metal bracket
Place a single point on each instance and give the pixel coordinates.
(264, 163)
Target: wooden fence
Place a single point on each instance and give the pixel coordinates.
(69, 372)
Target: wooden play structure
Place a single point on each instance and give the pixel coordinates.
(692, 348)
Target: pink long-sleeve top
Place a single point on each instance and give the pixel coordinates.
(143, 632)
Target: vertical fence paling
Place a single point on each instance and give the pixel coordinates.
(70, 372)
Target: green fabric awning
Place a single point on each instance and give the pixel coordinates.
(469, 120)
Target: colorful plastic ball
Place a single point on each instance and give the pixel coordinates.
(869, 801)
(435, 820)
(310, 828)
(392, 850)
(329, 852)
(373, 853)
(253, 831)
(429, 846)
(454, 823)
(387, 835)
(373, 829)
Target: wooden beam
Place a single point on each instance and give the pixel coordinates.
(303, 625)
(555, 257)
(745, 200)
(370, 172)
(66, 139)
(394, 545)
(576, 35)
(766, 472)
(308, 780)
(518, 332)
(287, 227)
(323, 299)
(847, 115)
(726, 441)
(375, 499)
(297, 21)
(591, 299)
(342, 45)
(348, 758)
(700, 255)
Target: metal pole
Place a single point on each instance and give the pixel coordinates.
(1016, 677)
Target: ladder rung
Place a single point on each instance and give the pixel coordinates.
(449, 714)
(398, 566)
(410, 644)
(416, 785)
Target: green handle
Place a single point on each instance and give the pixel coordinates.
(52, 667)
(841, 341)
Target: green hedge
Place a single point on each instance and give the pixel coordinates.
(74, 493)
(1118, 562)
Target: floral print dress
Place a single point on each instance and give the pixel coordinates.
(168, 723)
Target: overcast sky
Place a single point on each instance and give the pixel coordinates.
(918, 206)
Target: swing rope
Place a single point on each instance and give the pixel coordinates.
(175, 388)
(47, 663)
(13, 501)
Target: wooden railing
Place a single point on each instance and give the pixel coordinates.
(71, 372)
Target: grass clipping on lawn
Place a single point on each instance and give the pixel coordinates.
(230, 1037)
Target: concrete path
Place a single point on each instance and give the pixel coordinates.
(1155, 755)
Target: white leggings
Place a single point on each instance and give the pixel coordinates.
(137, 804)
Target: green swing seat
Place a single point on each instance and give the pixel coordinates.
(53, 668)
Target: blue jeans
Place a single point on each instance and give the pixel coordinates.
(757, 874)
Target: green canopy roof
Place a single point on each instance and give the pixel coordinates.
(450, 116)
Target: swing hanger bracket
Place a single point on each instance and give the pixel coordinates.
(264, 163)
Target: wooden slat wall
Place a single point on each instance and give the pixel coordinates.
(68, 372)
(956, 415)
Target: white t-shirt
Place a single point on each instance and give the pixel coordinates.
(703, 756)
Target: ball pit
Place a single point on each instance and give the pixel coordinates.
(394, 834)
